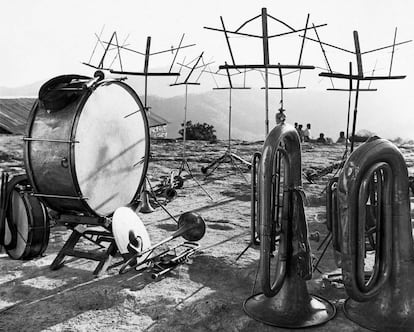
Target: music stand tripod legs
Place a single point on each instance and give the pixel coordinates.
(184, 163)
(228, 154)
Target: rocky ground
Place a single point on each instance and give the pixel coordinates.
(205, 295)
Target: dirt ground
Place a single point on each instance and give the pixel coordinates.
(205, 295)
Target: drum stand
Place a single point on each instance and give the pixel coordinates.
(228, 154)
(78, 224)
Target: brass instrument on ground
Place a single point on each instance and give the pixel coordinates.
(167, 187)
(283, 233)
(191, 227)
(373, 190)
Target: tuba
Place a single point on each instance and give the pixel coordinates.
(283, 236)
(374, 213)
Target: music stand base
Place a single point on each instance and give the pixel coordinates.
(269, 311)
(184, 164)
(232, 157)
(369, 315)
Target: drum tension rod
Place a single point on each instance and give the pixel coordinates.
(49, 140)
(59, 196)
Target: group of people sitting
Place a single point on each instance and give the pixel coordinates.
(305, 134)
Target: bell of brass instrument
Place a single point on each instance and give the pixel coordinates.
(283, 233)
(373, 188)
(145, 205)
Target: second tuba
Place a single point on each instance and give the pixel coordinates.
(374, 213)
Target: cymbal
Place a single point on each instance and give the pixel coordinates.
(125, 221)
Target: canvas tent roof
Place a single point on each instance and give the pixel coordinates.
(14, 113)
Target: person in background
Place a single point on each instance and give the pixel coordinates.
(280, 116)
(341, 138)
(307, 133)
(321, 138)
(300, 132)
(296, 125)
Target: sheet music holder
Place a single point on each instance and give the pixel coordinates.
(265, 36)
(359, 77)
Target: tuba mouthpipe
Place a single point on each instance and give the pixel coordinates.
(282, 141)
(255, 236)
(382, 266)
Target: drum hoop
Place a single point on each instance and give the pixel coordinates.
(73, 136)
(18, 179)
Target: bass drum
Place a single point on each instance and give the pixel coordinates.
(27, 226)
(87, 146)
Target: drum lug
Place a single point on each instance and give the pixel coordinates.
(64, 162)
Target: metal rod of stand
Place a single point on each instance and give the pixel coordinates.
(185, 126)
(184, 162)
(265, 39)
(229, 148)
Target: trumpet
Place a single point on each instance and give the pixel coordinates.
(167, 187)
(191, 227)
(374, 214)
(283, 234)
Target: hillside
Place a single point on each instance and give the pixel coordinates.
(326, 111)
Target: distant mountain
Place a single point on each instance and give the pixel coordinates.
(324, 111)
(29, 90)
(248, 113)
(212, 108)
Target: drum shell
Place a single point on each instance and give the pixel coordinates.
(48, 164)
(51, 164)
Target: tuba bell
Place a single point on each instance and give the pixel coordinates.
(374, 213)
(283, 234)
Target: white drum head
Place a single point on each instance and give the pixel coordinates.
(21, 220)
(111, 156)
(125, 220)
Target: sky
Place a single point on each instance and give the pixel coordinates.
(45, 38)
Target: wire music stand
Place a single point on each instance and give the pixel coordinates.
(360, 76)
(228, 154)
(145, 73)
(184, 162)
(350, 77)
(266, 65)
